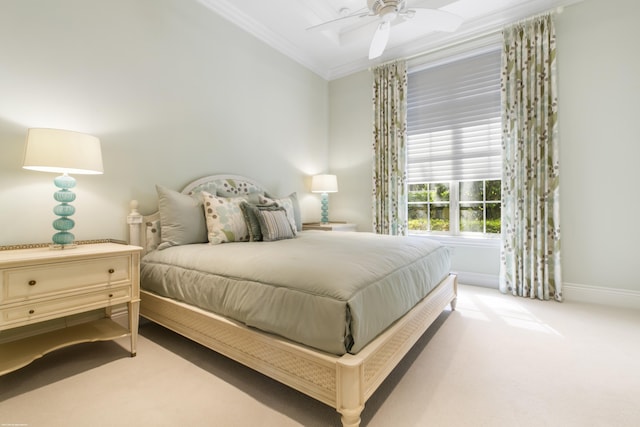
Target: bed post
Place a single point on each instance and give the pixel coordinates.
(454, 301)
(350, 393)
(134, 219)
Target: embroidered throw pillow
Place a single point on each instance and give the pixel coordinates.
(152, 237)
(225, 221)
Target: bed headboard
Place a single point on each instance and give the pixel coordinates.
(223, 185)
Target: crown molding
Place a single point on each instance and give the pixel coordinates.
(436, 41)
(231, 13)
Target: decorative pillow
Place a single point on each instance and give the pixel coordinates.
(152, 235)
(253, 198)
(228, 187)
(291, 205)
(224, 218)
(234, 188)
(181, 219)
(250, 212)
(275, 225)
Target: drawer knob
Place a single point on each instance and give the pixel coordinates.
(110, 295)
(32, 282)
(32, 311)
(111, 271)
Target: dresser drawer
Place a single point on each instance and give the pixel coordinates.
(30, 312)
(37, 281)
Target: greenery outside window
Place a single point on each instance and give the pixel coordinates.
(457, 208)
(429, 207)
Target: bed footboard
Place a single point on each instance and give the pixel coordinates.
(343, 382)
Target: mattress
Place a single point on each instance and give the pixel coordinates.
(333, 291)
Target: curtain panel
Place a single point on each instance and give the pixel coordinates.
(530, 258)
(389, 145)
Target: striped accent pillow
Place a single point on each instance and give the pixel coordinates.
(275, 225)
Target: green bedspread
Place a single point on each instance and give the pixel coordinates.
(334, 291)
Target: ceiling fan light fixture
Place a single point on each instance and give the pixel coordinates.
(389, 16)
(388, 12)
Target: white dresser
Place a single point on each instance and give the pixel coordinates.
(41, 284)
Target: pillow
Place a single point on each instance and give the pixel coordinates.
(250, 212)
(291, 205)
(252, 198)
(235, 187)
(152, 235)
(224, 218)
(275, 225)
(181, 219)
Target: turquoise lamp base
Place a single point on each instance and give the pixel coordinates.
(324, 208)
(64, 239)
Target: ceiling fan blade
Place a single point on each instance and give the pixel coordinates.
(433, 19)
(380, 39)
(338, 22)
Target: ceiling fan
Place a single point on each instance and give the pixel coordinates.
(392, 11)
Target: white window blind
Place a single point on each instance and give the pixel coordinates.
(454, 121)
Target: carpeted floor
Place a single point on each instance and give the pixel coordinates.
(496, 361)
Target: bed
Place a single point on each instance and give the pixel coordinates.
(290, 304)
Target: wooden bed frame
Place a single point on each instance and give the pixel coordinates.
(343, 382)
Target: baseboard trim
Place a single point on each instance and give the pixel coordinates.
(120, 315)
(623, 298)
(599, 295)
(477, 279)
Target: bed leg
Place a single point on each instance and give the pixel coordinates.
(350, 393)
(454, 301)
(351, 418)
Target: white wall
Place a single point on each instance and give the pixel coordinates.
(350, 149)
(599, 84)
(173, 91)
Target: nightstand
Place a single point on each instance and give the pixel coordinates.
(40, 284)
(331, 226)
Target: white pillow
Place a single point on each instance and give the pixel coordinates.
(152, 236)
(225, 222)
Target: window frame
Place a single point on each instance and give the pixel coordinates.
(454, 236)
(454, 213)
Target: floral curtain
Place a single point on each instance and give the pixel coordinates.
(389, 145)
(530, 259)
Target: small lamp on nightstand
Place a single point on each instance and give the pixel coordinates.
(63, 151)
(324, 184)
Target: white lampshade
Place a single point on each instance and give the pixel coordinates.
(324, 184)
(62, 151)
(65, 152)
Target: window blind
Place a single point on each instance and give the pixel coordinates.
(454, 121)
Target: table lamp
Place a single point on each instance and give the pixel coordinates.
(65, 152)
(324, 184)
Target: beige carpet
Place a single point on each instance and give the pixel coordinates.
(496, 361)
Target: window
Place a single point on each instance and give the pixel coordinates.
(454, 157)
